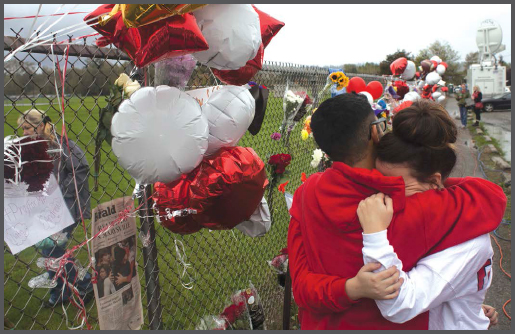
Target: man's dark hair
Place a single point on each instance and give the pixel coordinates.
(341, 127)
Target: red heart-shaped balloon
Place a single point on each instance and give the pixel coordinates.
(357, 85)
(375, 89)
(398, 66)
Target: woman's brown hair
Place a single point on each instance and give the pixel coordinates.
(423, 136)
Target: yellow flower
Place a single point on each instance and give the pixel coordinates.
(304, 134)
(343, 81)
(334, 77)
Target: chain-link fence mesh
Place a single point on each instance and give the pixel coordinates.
(221, 261)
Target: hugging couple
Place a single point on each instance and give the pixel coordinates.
(385, 239)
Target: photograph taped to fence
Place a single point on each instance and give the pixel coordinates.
(118, 290)
(29, 219)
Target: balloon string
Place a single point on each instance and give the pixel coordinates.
(181, 261)
(35, 16)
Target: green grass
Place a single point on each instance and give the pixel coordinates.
(222, 261)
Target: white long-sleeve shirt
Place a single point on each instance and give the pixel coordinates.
(451, 284)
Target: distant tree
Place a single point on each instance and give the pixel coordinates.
(384, 66)
(470, 58)
(368, 68)
(350, 68)
(448, 55)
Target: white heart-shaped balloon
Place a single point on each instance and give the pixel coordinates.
(369, 97)
(411, 96)
(229, 112)
(436, 95)
(433, 78)
(437, 59)
(159, 134)
(440, 69)
(409, 72)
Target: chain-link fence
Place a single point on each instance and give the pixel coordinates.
(221, 261)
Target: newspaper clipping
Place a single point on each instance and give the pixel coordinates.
(118, 290)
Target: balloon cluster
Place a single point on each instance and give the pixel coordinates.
(428, 83)
(228, 38)
(373, 91)
(165, 136)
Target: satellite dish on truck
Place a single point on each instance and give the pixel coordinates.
(489, 39)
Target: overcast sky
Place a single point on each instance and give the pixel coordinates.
(339, 34)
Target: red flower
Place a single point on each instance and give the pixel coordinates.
(282, 187)
(303, 177)
(280, 161)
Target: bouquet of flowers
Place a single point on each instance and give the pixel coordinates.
(280, 266)
(244, 312)
(338, 83)
(26, 160)
(292, 102)
(320, 157)
(122, 89)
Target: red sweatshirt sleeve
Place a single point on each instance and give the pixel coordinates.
(474, 207)
(319, 293)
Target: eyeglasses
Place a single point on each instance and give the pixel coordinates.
(381, 127)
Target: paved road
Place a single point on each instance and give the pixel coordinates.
(500, 290)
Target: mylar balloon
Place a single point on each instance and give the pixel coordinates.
(375, 89)
(440, 99)
(135, 15)
(401, 87)
(437, 59)
(233, 33)
(411, 96)
(268, 25)
(171, 37)
(435, 64)
(243, 75)
(433, 78)
(159, 134)
(259, 223)
(269, 28)
(224, 190)
(427, 66)
(436, 95)
(398, 66)
(440, 69)
(357, 85)
(409, 72)
(229, 112)
(368, 96)
(175, 71)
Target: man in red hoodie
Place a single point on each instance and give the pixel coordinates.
(325, 236)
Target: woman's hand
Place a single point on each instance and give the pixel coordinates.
(367, 284)
(491, 314)
(375, 213)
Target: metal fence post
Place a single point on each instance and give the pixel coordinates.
(150, 262)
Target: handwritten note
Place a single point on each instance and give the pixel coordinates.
(30, 218)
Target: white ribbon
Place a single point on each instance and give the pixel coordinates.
(181, 258)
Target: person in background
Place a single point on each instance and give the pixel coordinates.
(35, 123)
(478, 105)
(462, 97)
(453, 294)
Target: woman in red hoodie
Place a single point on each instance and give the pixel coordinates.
(452, 283)
(325, 236)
